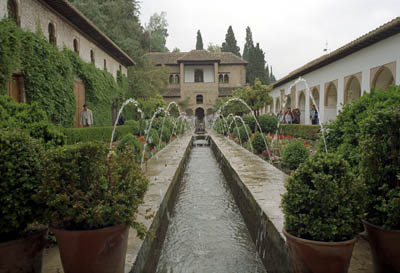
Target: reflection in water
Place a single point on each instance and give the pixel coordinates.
(206, 231)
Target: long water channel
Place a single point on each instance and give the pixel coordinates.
(206, 232)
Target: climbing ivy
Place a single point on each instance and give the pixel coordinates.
(49, 76)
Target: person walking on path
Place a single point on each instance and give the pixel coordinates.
(86, 117)
(288, 116)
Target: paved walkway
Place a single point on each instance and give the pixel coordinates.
(266, 183)
(160, 170)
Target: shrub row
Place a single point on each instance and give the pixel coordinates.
(103, 134)
(300, 131)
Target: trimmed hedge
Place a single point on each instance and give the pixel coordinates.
(103, 134)
(300, 130)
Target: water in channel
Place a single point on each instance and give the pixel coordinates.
(206, 231)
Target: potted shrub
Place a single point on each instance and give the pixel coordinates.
(21, 247)
(323, 208)
(380, 170)
(91, 199)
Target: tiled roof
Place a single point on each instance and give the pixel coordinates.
(162, 58)
(385, 31)
(76, 18)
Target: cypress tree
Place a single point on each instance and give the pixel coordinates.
(199, 42)
(249, 45)
(230, 44)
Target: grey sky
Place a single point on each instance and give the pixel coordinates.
(291, 33)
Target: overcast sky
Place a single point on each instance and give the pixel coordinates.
(291, 33)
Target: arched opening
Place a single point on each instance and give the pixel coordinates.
(199, 113)
(198, 75)
(199, 99)
(330, 102)
(315, 94)
(226, 78)
(189, 112)
(13, 10)
(221, 78)
(52, 34)
(288, 102)
(92, 60)
(302, 107)
(105, 64)
(171, 79)
(76, 46)
(352, 91)
(383, 79)
(177, 79)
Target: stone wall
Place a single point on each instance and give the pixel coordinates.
(33, 13)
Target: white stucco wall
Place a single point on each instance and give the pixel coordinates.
(208, 72)
(381, 53)
(32, 13)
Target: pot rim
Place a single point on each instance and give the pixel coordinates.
(321, 243)
(365, 222)
(51, 228)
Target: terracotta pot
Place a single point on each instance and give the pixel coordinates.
(319, 257)
(385, 248)
(23, 255)
(93, 251)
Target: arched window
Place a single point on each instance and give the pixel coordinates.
(52, 34)
(226, 78)
(92, 60)
(331, 96)
(198, 75)
(199, 99)
(383, 79)
(171, 79)
(221, 78)
(12, 10)
(177, 79)
(352, 91)
(105, 64)
(76, 46)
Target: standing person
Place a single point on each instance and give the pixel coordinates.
(280, 116)
(296, 114)
(86, 117)
(121, 119)
(314, 115)
(289, 116)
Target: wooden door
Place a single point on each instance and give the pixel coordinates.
(79, 92)
(15, 88)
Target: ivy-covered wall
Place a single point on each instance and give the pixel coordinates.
(49, 76)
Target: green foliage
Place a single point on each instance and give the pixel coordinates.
(242, 132)
(153, 138)
(324, 201)
(85, 189)
(31, 119)
(295, 154)
(10, 51)
(131, 142)
(230, 44)
(258, 142)
(220, 127)
(251, 122)
(157, 27)
(342, 134)
(379, 140)
(268, 123)
(21, 176)
(300, 131)
(199, 41)
(233, 107)
(165, 134)
(135, 125)
(100, 86)
(100, 134)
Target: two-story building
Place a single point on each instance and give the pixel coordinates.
(200, 77)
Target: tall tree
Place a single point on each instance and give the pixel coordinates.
(119, 20)
(271, 77)
(249, 45)
(199, 42)
(157, 29)
(214, 48)
(230, 44)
